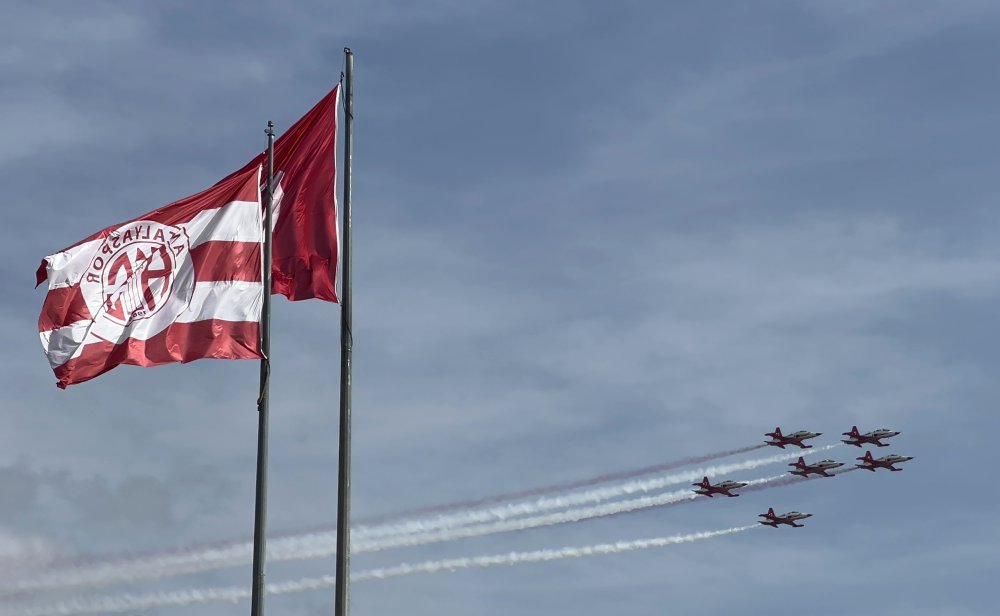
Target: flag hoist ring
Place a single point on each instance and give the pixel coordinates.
(136, 271)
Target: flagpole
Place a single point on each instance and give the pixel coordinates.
(260, 510)
(346, 344)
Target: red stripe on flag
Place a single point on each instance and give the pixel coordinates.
(63, 306)
(226, 261)
(213, 262)
(181, 342)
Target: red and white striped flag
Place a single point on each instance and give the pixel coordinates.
(184, 282)
(177, 284)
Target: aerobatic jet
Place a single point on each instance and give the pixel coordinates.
(795, 438)
(705, 487)
(870, 464)
(803, 470)
(871, 438)
(772, 519)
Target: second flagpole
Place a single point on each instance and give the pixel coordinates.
(260, 510)
(346, 346)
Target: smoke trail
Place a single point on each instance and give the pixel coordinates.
(328, 547)
(564, 487)
(226, 545)
(787, 480)
(562, 517)
(135, 602)
(543, 555)
(318, 545)
(572, 499)
(570, 515)
(228, 551)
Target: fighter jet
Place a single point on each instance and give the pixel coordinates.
(803, 470)
(872, 438)
(870, 464)
(780, 440)
(771, 519)
(705, 488)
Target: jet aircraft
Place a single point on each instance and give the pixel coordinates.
(780, 440)
(872, 438)
(772, 519)
(705, 488)
(803, 470)
(870, 464)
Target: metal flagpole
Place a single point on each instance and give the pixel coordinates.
(260, 510)
(346, 343)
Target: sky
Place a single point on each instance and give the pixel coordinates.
(589, 237)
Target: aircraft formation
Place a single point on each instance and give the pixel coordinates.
(803, 469)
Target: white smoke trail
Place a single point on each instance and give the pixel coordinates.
(136, 602)
(562, 517)
(323, 544)
(541, 555)
(568, 486)
(582, 497)
(237, 551)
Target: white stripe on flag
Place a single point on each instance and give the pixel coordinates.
(222, 301)
(237, 221)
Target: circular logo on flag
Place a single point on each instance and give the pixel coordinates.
(135, 272)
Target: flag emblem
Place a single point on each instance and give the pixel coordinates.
(134, 273)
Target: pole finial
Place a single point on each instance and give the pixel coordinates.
(269, 131)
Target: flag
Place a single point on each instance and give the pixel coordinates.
(180, 283)
(184, 281)
(304, 244)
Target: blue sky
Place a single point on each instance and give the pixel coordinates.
(589, 237)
